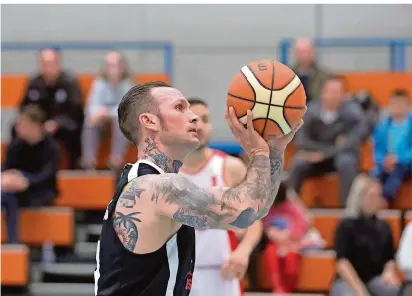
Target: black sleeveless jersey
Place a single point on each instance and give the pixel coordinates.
(165, 272)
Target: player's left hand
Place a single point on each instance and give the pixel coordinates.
(236, 265)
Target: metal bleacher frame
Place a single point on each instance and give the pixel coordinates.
(165, 46)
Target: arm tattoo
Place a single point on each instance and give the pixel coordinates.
(239, 206)
(276, 167)
(126, 229)
(128, 196)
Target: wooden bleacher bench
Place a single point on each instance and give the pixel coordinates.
(14, 265)
(85, 191)
(316, 274)
(323, 192)
(326, 221)
(404, 199)
(38, 225)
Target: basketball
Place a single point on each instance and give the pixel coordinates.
(274, 94)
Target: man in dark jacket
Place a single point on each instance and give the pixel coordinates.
(29, 172)
(330, 139)
(309, 71)
(58, 94)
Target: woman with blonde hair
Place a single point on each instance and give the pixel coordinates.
(101, 110)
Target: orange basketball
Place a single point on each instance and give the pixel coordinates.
(273, 92)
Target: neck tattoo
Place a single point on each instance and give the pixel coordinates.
(152, 152)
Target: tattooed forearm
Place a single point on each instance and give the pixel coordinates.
(216, 208)
(276, 167)
(126, 229)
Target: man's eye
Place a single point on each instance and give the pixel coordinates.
(179, 107)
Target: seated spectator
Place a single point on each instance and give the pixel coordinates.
(29, 173)
(289, 230)
(58, 94)
(404, 255)
(330, 138)
(365, 251)
(393, 145)
(101, 109)
(310, 73)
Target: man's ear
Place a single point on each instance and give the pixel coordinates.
(149, 121)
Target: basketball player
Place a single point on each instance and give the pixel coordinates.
(147, 243)
(217, 269)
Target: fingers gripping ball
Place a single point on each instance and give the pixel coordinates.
(273, 92)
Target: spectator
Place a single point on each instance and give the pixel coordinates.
(310, 73)
(404, 255)
(330, 138)
(58, 94)
(393, 145)
(288, 228)
(365, 250)
(105, 96)
(29, 172)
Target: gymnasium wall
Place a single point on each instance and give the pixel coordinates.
(211, 41)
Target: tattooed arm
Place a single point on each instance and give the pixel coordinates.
(237, 207)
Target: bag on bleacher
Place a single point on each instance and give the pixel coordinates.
(370, 107)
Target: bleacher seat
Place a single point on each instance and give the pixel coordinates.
(323, 262)
(38, 225)
(403, 200)
(85, 191)
(14, 265)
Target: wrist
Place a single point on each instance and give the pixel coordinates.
(255, 154)
(244, 248)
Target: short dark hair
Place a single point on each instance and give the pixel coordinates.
(197, 101)
(400, 92)
(136, 101)
(34, 113)
(332, 77)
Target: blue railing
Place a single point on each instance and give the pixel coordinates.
(397, 48)
(164, 46)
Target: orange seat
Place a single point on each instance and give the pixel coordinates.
(366, 156)
(321, 192)
(85, 191)
(379, 84)
(38, 225)
(403, 200)
(326, 221)
(316, 272)
(14, 265)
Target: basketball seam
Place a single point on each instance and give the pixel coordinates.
(273, 105)
(286, 100)
(257, 79)
(270, 98)
(254, 92)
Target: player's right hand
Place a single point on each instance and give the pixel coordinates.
(248, 138)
